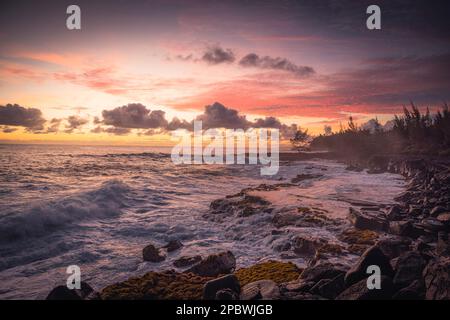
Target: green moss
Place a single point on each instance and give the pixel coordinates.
(358, 237)
(270, 270)
(156, 286)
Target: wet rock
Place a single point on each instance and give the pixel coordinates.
(444, 218)
(64, 293)
(302, 177)
(227, 294)
(212, 287)
(431, 225)
(437, 210)
(360, 291)
(414, 291)
(260, 290)
(286, 246)
(321, 271)
(305, 246)
(283, 220)
(241, 204)
(368, 220)
(186, 261)
(408, 269)
(437, 279)
(373, 256)
(406, 228)
(354, 168)
(298, 286)
(394, 213)
(215, 265)
(443, 244)
(290, 295)
(152, 254)
(393, 248)
(329, 288)
(173, 245)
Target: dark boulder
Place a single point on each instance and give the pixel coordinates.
(185, 261)
(409, 268)
(368, 220)
(227, 294)
(372, 256)
(329, 288)
(394, 213)
(214, 265)
(64, 293)
(321, 271)
(173, 245)
(305, 246)
(392, 248)
(443, 244)
(360, 291)
(152, 254)
(414, 291)
(260, 290)
(212, 287)
(437, 210)
(437, 279)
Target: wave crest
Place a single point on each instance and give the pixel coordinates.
(40, 219)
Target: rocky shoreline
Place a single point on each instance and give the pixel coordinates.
(408, 241)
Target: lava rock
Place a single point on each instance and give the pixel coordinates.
(321, 271)
(437, 279)
(227, 294)
(368, 220)
(185, 261)
(212, 287)
(173, 245)
(372, 256)
(360, 291)
(329, 288)
(393, 248)
(414, 291)
(408, 269)
(64, 293)
(437, 210)
(152, 254)
(305, 246)
(262, 289)
(214, 265)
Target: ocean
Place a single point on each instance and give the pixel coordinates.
(97, 207)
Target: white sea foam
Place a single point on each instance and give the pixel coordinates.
(47, 216)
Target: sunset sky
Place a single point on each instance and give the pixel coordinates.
(313, 63)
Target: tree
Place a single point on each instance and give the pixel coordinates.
(300, 140)
(327, 130)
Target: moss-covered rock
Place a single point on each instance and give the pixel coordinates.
(357, 236)
(156, 286)
(270, 270)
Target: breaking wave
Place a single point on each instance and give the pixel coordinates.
(42, 218)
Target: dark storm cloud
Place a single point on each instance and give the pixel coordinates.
(266, 62)
(218, 55)
(15, 115)
(134, 116)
